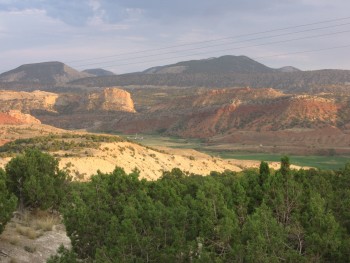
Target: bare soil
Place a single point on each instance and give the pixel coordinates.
(24, 242)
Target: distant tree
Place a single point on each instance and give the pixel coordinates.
(36, 179)
(251, 183)
(285, 165)
(8, 202)
(175, 173)
(264, 172)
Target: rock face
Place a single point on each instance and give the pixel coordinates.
(106, 100)
(27, 101)
(110, 99)
(223, 111)
(23, 118)
(15, 117)
(8, 120)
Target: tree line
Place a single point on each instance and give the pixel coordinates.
(257, 215)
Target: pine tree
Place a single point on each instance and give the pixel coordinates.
(8, 202)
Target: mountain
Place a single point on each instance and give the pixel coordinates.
(221, 72)
(288, 69)
(98, 72)
(294, 82)
(224, 64)
(229, 71)
(44, 73)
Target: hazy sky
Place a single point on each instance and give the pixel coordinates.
(132, 35)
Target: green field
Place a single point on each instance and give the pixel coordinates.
(322, 162)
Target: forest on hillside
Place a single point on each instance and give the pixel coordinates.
(299, 82)
(257, 215)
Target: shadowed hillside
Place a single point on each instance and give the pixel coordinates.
(99, 72)
(224, 64)
(42, 73)
(296, 82)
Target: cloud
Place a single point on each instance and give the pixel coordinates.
(79, 12)
(74, 12)
(81, 29)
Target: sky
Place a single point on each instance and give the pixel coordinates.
(132, 35)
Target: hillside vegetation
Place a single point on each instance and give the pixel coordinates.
(256, 215)
(299, 82)
(82, 154)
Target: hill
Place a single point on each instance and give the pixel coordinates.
(288, 69)
(276, 108)
(17, 117)
(246, 116)
(221, 72)
(43, 73)
(224, 64)
(214, 75)
(14, 117)
(98, 72)
(82, 154)
(243, 118)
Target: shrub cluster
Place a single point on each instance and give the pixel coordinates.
(52, 143)
(252, 216)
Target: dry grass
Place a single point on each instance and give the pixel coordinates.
(33, 224)
(27, 231)
(14, 240)
(20, 238)
(46, 223)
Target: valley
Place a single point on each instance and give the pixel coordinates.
(268, 111)
(174, 131)
(205, 126)
(242, 155)
(231, 119)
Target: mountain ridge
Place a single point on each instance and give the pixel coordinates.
(221, 72)
(52, 72)
(98, 72)
(223, 64)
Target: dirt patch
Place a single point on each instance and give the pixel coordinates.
(32, 238)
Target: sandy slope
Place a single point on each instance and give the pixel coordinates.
(151, 162)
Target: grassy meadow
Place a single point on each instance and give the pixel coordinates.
(322, 162)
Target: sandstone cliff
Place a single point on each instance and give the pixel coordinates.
(15, 117)
(27, 101)
(23, 118)
(109, 99)
(39, 102)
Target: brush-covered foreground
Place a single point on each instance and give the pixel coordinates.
(256, 215)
